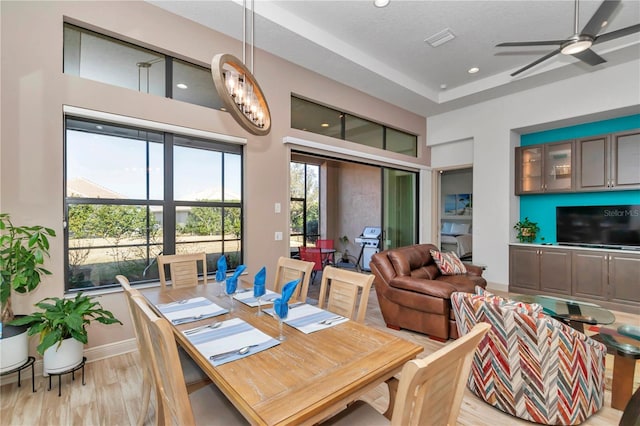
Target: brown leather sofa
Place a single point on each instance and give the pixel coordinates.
(414, 295)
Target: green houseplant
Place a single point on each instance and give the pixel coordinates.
(527, 230)
(22, 253)
(64, 321)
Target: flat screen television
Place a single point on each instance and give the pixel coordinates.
(599, 226)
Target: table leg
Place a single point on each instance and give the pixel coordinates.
(622, 385)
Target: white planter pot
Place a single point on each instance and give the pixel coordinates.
(14, 347)
(63, 357)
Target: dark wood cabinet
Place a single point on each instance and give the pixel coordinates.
(606, 277)
(544, 168)
(608, 162)
(546, 270)
(590, 274)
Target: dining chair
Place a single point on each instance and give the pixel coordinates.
(194, 377)
(183, 269)
(312, 254)
(343, 287)
(287, 270)
(176, 406)
(430, 389)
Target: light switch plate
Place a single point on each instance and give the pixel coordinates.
(278, 236)
(278, 208)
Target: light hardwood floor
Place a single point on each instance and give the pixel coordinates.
(111, 395)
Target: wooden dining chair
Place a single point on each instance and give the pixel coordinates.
(343, 290)
(183, 269)
(287, 270)
(194, 377)
(175, 405)
(430, 389)
(312, 254)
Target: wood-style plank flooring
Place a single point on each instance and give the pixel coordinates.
(112, 394)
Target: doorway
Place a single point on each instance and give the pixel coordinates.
(456, 212)
(355, 195)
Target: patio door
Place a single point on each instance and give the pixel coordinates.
(399, 208)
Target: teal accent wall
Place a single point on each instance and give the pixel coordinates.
(541, 208)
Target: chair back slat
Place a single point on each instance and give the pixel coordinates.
(339, 292)
(183, 269)
(171, 390)
(289, 269)
(431, 389)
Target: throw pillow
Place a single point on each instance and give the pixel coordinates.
(446, 227)
(460, 228)
(448, 263)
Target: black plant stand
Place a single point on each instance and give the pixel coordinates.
(30, 361)
(73, 376)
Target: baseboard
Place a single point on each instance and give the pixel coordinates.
(498, 287)
(93, 354)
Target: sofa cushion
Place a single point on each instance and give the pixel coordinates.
(448, 263)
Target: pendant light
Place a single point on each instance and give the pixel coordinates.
(238, 88)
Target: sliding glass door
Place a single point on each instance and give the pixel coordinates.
(399, 205)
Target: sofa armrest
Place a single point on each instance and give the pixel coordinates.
(440, 289)
(474, 269)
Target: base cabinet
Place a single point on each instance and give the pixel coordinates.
(547, 270)
(608, 278)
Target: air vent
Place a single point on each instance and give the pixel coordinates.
(440, 38)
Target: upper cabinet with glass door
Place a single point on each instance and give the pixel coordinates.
(544, 168)
(608, 162)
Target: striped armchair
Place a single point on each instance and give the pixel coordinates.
(529, 365)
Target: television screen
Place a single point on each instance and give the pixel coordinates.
(600, 226)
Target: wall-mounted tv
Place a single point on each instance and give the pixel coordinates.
(599, 226)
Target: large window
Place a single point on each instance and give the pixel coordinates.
(312, 117)
(305, 204)
(132, 194)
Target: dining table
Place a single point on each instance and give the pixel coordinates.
(302, 380)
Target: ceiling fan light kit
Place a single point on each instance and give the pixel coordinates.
(580, 43)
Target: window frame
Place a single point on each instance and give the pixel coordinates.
(168, 201)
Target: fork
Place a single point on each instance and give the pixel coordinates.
(331, 320)
(213, 325)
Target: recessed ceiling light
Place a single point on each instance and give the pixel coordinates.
(223, 109)
(473, 70)
(381, 3)
(99, 127)
(604, 24)
(443, 86)
(181, 86)
(325, 125)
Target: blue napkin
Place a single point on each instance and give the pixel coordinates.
(221, 274)
(281, 305)
(259, 288)
(232, 281)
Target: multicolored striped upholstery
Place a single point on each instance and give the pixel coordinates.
(529, 365)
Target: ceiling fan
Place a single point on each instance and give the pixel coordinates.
(579, 44)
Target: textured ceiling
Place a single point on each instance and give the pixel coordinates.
(382, 51)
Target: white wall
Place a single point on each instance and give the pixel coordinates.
(494, 126)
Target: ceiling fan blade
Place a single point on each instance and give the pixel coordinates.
(536, 62)
(590, 57)
(602, 14)
(531, 43)
(617, 33)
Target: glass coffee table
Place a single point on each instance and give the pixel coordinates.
(571, 312)
(624, 343)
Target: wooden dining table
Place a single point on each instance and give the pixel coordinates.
(305, 378)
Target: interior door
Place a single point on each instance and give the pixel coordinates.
(399, 208)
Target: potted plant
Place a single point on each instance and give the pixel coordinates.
(344, 240)
(22, 253)
(527, 230)
(62, 328)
